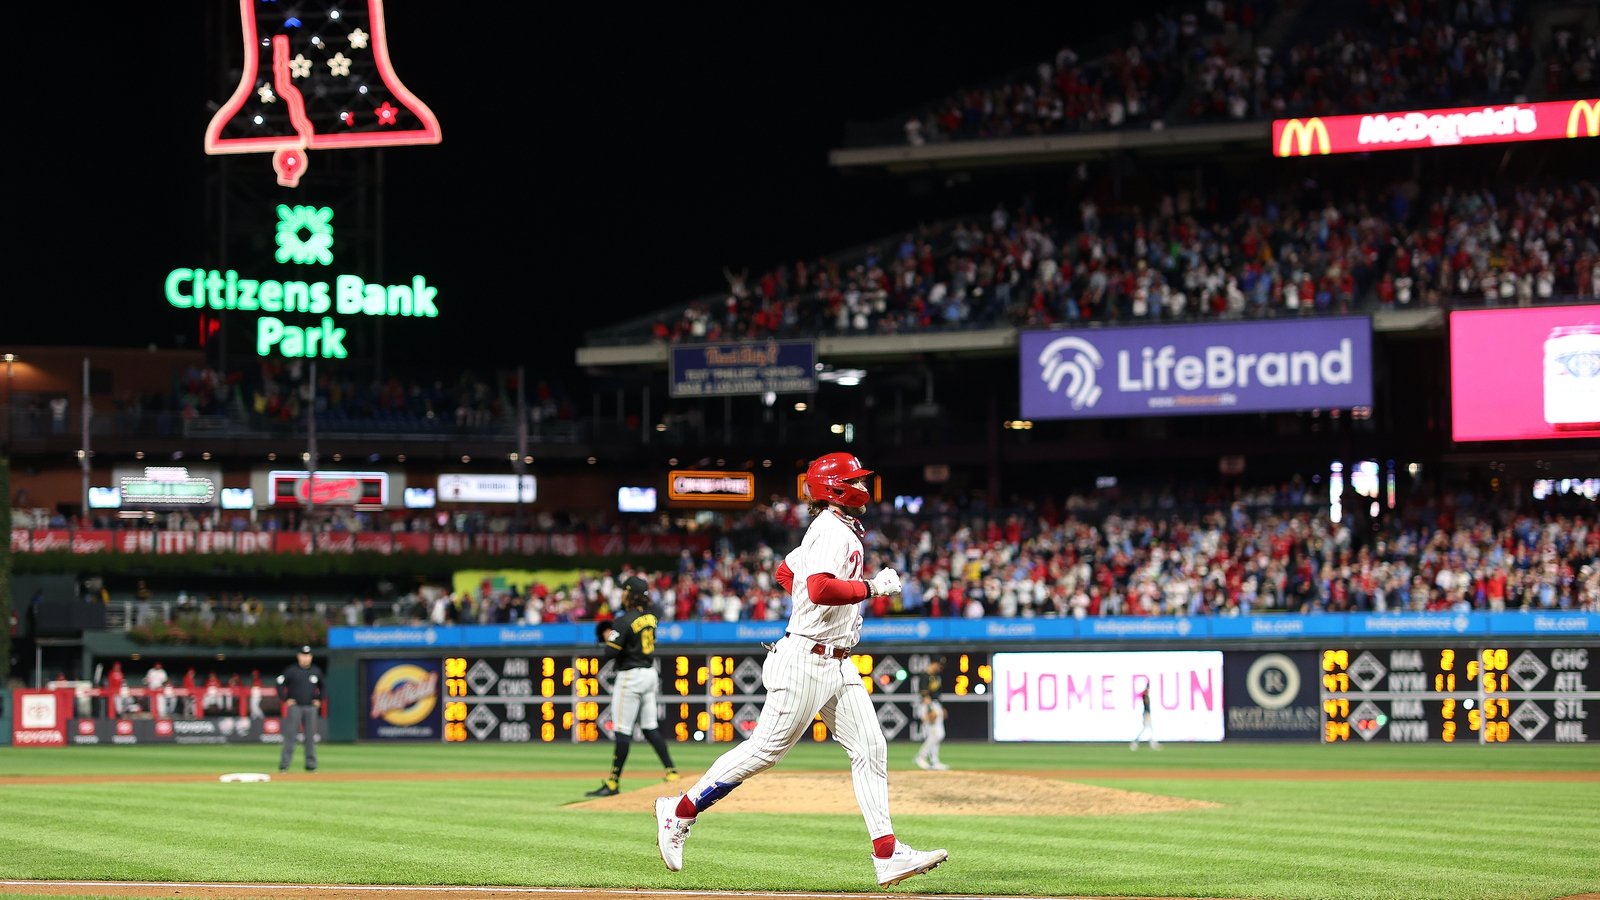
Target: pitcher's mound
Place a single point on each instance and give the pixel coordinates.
(914, 793)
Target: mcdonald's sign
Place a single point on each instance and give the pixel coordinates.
(1589, 112)
(1455, 127)
(1301, 137)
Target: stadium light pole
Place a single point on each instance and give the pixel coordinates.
(519, 461)
(11, 359)
(86, 453)
(311, 458)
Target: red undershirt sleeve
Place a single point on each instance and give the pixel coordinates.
(785, 576)
(827, 590)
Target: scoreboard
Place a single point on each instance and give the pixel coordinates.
(1485, 693)
(708, 697)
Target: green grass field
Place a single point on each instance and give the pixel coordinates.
(1504, 836)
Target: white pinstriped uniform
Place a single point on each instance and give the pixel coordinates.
(800, 684)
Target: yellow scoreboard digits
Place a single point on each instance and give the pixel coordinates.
(1489, 694)
(711, 698)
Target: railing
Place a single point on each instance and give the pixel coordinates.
(100, 540)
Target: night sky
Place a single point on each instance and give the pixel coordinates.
(615, 160)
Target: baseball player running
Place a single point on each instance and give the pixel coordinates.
(809, 672)
(1146, 729)
(630, 639)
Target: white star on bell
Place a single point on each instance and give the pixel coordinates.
(339, 65)
(266, 94)
(299, 67)
(358, 39)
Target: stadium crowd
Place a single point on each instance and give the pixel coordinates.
(278, 391)
(1240, 558)
(1213, 62)
(1301, 249)
(1132, 83)
(1379, 56)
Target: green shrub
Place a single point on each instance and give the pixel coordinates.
(270, 631)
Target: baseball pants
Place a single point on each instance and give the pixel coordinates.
(296, 719)
(800, 685)
(635, 698)
(932, 733)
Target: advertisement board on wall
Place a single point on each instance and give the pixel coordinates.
(488, 489)
(1452, 127)
(167, 485)
(1525, 373)
(727, 370)
(1272, 696)
(40, 717)
(1233, 367)
(402, 700)
(1095, 696)
(362, 490)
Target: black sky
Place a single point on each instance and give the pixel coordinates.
(614, 159)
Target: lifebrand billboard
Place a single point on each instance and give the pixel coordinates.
(1322, 363)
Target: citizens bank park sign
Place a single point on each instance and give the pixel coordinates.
(304, 238)
(317, 75)
(1193, 369)
(1322, 135)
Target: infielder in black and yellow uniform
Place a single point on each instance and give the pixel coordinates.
(630, 639)
(932, 713)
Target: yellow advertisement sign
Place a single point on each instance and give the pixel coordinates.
(470, 581)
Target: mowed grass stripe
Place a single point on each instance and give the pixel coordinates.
(1269, 838)
(568, 760)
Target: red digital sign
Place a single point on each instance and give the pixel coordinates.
(1525, 373)
(1458, 126)
(363, 490)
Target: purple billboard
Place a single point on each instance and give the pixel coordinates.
(1176, 370)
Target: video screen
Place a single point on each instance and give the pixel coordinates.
(1526, 373)
(636, 499)
(1095, 696)
(238, 498)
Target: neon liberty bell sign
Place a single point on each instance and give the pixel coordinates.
(316, 76)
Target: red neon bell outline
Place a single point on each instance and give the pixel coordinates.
(289, 153)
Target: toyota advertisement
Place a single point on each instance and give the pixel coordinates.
(1095, 696)
(1236, 367)
(1525, 373)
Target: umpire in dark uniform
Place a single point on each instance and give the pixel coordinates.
(630, 639)
(300, 692)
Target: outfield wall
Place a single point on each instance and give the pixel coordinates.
(1335, 678)
(1455, 677)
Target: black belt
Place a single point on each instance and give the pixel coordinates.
(824, 649)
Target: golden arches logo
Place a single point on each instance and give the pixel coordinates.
(1589, 110)
(1306, 135)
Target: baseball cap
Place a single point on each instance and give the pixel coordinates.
(306, 649)
(635, 585)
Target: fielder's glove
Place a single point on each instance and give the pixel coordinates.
(887, 581)
(602, 630)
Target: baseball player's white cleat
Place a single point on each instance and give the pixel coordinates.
(904, 863)
(671, 832)
(923, 764)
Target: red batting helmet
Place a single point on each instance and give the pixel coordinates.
(829, 477)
